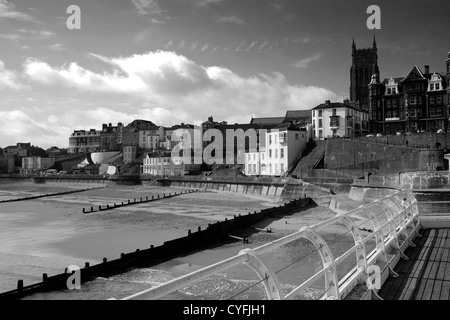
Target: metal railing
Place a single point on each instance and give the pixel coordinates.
(395, 231)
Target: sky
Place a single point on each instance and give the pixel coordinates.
(181, 61)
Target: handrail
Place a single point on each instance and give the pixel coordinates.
(399, 224)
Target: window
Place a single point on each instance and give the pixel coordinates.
(412, 112)
(438, 99)
(262, 156)
(276, 140)
(419, 112)
(437, 86)
(432, 87)
(432, 112)
(320, 134)
(432, 100)
(276, 153)
(296, 136)
(254, 156)
(270, 153)
(320, 113)
(254, 168)
(438, 112)
(276, 167)
(270, 168)
(389, 114)
(394, 103)
(249, 169)
(388, 103)
(249, 157)
(314, 113)
(419, 100)
(282, 168)
(389, 91)
(270, 139)
(320, 123)
(282, 153)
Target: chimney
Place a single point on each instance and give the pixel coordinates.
(327, 102)
(347, 102)
(427, 69)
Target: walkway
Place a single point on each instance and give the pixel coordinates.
(426, 275)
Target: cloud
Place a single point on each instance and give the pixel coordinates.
(181, 89)
(204, 3)
(150, 8)
(229, 19)
(39, 34)
(9, 79)
(304, 63)
(11, 36)
(251, 46)
(7, 10)
(57, 47)
(19, 126)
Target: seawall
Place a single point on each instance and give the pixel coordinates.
(277, 190)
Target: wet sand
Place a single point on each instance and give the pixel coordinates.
(35, 233)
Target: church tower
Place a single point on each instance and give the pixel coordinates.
(364, 66)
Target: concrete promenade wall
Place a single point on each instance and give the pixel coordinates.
(355, 154)
(215, 234)
(425, 180)
(277, 190)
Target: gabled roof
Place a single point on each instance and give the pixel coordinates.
(396, 79)
(293, 114)
(414, 74)
(335, 105)
(288, 126)
(267, 120)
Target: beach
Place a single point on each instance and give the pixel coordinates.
(49, 234)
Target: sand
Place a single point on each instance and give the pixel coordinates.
(49, 234)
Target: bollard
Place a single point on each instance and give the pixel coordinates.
(158, 196)
(92, 209)
(107, 206)
(226, 219)
(20, 285)
(137, 250)
(128, 201)
(234, 217)
(199, 229)
(122, 255)
(152, 198)
(134, 199)
(86, 265)
(44, 277)
(151, 246)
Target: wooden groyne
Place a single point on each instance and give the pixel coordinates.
(50, 195)
(136, 201)
(215, 234)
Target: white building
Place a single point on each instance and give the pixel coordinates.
(284, 147)
(335, 119)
